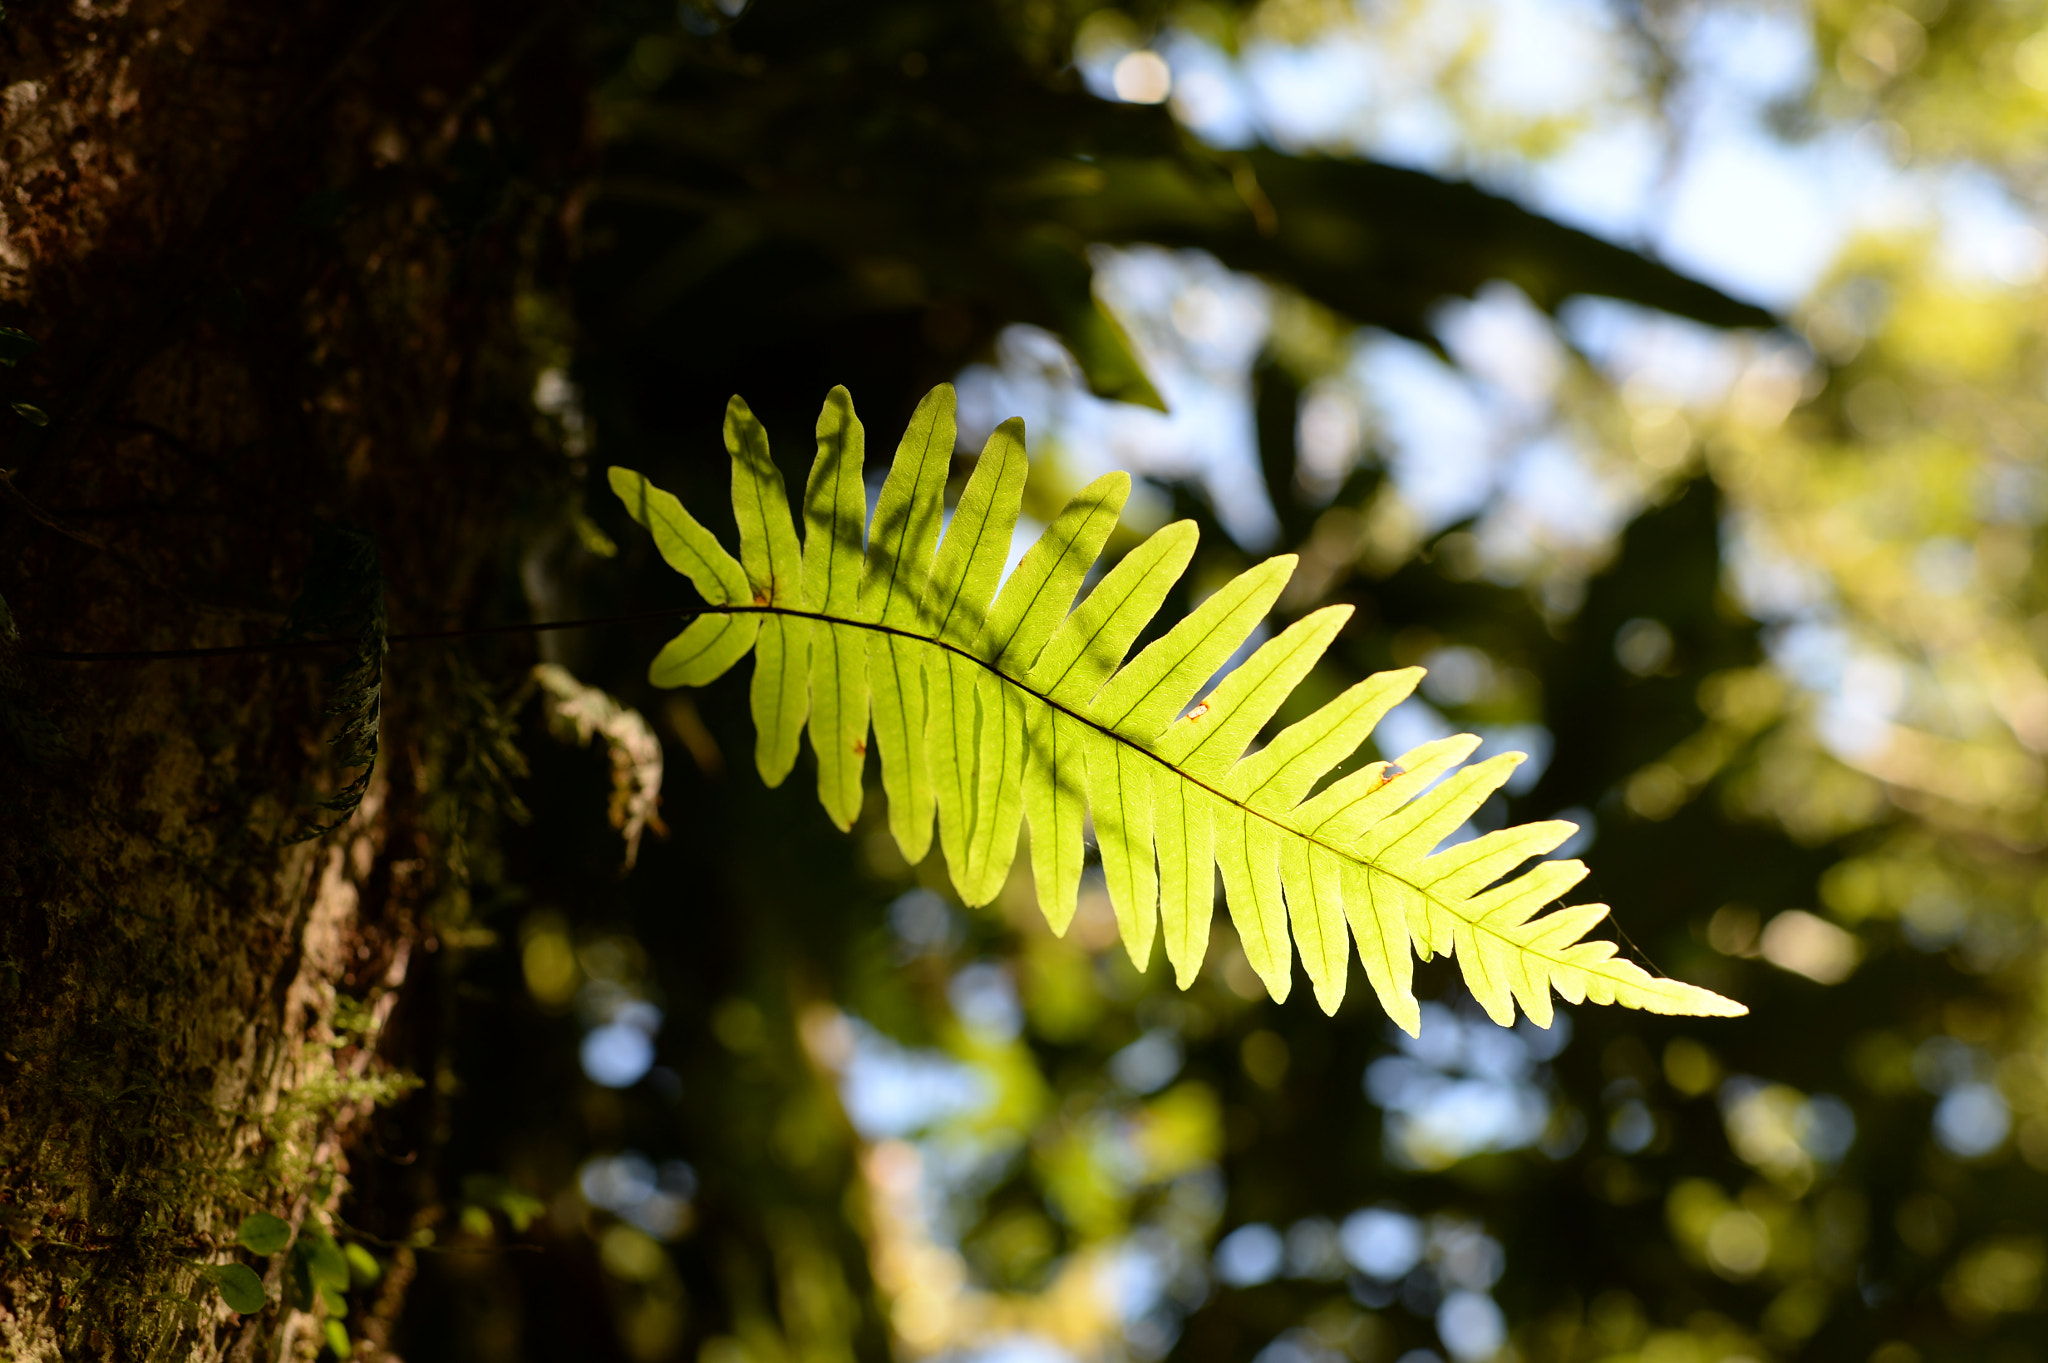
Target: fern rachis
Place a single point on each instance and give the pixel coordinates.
(998, 703)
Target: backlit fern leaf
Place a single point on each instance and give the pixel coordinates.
(998, 704)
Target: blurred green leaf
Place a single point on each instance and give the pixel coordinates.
(239, 1287)
(362, 1265)
(326, 1266)
(298, 1280)
(262, 1233)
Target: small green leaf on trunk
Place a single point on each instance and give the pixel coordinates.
(239, 1287)
(262, 1233)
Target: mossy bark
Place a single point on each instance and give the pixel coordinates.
(276, 257)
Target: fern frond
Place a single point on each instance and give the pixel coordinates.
(999, 704)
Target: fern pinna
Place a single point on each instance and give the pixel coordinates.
(994, 709)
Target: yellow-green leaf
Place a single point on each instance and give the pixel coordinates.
(997, 709)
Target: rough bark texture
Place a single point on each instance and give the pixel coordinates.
(281, 260)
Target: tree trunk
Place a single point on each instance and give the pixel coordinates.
(289, 267)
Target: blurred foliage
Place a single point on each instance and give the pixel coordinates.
(776, 1095)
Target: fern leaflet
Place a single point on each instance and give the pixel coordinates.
(997, 704)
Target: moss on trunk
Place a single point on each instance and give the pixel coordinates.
(277, 257)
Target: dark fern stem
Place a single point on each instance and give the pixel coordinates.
(344, 596)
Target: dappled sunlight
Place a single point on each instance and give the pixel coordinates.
(944, 1128)
(1465, 1087)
